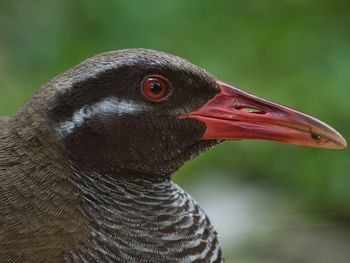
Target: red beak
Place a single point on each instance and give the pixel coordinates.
(235, 114)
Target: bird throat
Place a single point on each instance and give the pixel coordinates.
(142, 220)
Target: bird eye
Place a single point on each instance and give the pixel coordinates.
(155, 88)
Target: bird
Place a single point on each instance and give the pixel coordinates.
(86, 163)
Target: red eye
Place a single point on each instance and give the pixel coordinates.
(155, 88)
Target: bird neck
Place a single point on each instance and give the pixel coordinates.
(132, 219)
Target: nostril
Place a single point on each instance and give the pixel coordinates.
(251, 110)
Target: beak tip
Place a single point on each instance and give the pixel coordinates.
(342, 144)
(338, 142)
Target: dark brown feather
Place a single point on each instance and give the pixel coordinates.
(61, 201)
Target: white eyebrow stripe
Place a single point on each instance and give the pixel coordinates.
(107, 106)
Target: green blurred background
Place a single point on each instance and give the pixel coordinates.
(269, 202)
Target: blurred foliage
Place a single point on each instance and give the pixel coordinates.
(296, 52)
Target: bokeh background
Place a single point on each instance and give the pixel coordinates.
(269, 202)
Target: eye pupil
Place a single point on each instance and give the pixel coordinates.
(156, 88)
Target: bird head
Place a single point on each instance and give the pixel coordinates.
(145, 112)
